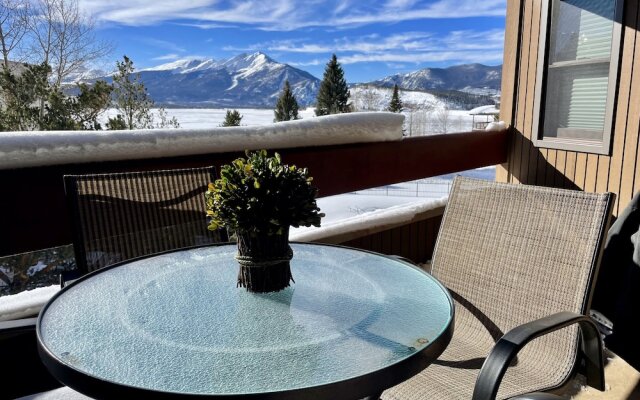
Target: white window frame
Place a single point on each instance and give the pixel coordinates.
(578, 143)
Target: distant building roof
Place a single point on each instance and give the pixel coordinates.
(485, 110)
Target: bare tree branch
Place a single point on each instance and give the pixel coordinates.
(64, 38)
(13, 26)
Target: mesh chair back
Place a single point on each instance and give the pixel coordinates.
(126, 215)
(511, 254)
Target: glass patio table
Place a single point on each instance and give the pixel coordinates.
(175, 325)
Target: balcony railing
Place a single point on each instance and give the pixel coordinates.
(35, 214)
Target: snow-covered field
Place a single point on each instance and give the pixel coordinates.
(202, 118)
(348, 205)
(417, 122)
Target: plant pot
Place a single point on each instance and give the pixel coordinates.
(264, 262)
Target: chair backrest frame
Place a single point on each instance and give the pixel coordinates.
(158, 199)
(598, 234)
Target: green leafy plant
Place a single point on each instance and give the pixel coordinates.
(260, 195)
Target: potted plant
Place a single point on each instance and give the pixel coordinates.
(258, 198)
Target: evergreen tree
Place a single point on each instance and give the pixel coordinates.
(20, 102)
(334, 92)
(20, 93)
(131, 98)
(77, 112)
(287, 106)
(395, 105)
(232, 118)
(134, 103)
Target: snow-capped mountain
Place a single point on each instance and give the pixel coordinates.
(247, 80)
(459, 77)
(256, 80)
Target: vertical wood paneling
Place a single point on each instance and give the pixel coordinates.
(581, 170)
(527, 164)
(570, 171)
(627, 68)
(509, 73)
(592, 173)
(541, 168)
(630, 155)
(518, 140)
(602, 179)
(548, 180)
(561, 167)
(529, 152)
(414, 241)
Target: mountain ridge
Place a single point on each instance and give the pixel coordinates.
(255, 81)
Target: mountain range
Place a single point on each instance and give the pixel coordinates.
(256, 80)
(466, 77)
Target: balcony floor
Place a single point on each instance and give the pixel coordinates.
(622, 383)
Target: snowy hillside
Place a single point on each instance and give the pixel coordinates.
(375, 98)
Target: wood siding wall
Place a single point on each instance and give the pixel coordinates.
(414, 241)
(528, 164)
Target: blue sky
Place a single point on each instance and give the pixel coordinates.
(372, 39)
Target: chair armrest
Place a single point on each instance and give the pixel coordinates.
(509, 345)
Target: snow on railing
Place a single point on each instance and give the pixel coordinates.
(39, 148)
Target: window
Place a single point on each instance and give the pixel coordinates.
(577, 74)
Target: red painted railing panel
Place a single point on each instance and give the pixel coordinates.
(34, 212)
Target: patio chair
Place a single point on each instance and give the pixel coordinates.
(522, 260)
(119, 216)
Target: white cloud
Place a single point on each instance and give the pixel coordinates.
(167, 57)
(207, 25)
(416, 58)
(161, 44)
(286, 15)
(400, 46)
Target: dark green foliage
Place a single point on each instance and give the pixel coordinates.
(333, 95)
(77, 113)
(395, 105)
(131, 98)
(232, 118)
(21, 96)
(117, 123)
(287, 105)
(260, 194)
(133, 102)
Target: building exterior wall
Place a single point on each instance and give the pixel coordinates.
(617, 172)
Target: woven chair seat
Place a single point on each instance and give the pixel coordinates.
(453, 375)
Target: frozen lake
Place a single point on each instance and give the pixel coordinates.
(202, 118)
(416, 123)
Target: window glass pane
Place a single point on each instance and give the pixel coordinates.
(581, 29)
(576, 99)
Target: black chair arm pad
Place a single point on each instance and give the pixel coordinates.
(496, 364)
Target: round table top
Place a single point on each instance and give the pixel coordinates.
(177, 323)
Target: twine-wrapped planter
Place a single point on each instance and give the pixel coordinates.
(264, 261)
